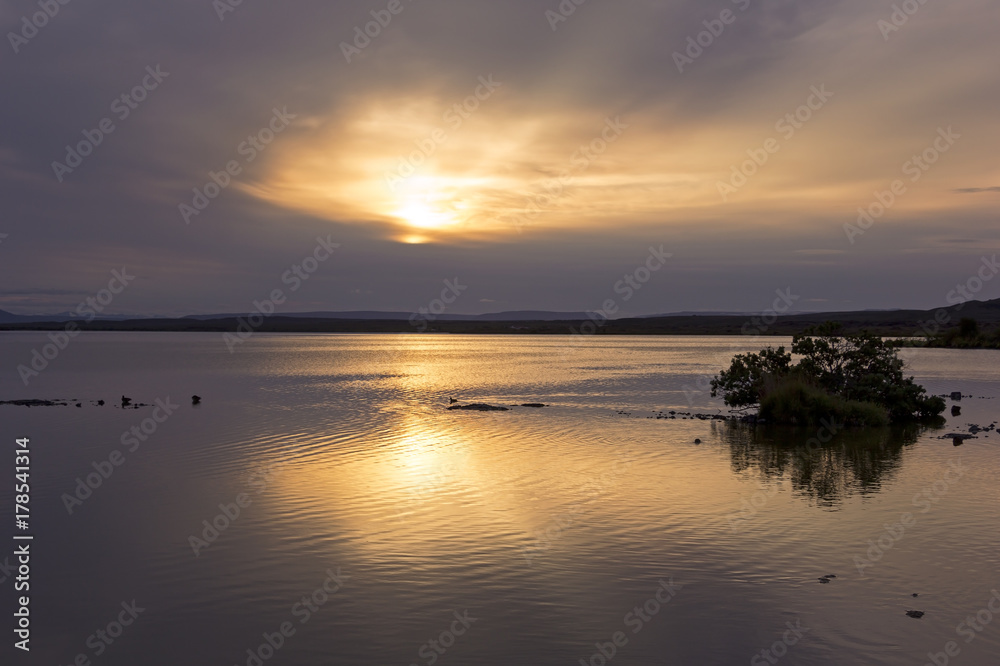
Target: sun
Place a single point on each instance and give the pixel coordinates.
(424, 215)
(430, 204)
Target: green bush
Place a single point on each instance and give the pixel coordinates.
(791, 400)
(858, 370)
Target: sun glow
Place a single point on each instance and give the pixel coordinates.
(491, 178)
(429, 203)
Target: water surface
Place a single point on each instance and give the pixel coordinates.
(554, 528)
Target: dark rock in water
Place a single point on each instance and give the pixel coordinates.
(956, 410)
(535, 405)
(830, 576)
(697, 441)
(915, 614)
(478, 407)
(452, 401)
(915, 595)
(79, 405)
(196, 400)
(35, 403)
(100, 403)
(823, 580)
(956, 395)
(126, 402)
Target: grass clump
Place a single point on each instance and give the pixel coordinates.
(793, 401)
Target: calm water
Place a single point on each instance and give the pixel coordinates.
(548, 530)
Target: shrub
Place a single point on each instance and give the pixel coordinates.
(791, 400)
(859, 370)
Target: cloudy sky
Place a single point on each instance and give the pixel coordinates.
(532, 150)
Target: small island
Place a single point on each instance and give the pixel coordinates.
(855, 380)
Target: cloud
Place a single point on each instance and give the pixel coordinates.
(976, 190)
(657, 184)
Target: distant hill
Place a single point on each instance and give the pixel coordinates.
(882, 322)
(11, 318)
(373, 315)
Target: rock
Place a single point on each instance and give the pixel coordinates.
(478, 407)
(823, 580)
(915, 614)
(196, 400)
(956, 410)
(914, 595)
(126, 402)
(452, 401)
(956, 395)
(697, 441)
(35, 403)
(100, 403)
(830, 576)
(535, 405)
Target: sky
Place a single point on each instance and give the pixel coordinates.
(534, 154)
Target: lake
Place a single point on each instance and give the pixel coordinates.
(322, 506)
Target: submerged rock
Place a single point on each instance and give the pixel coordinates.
(478, 407)
(915, 614)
